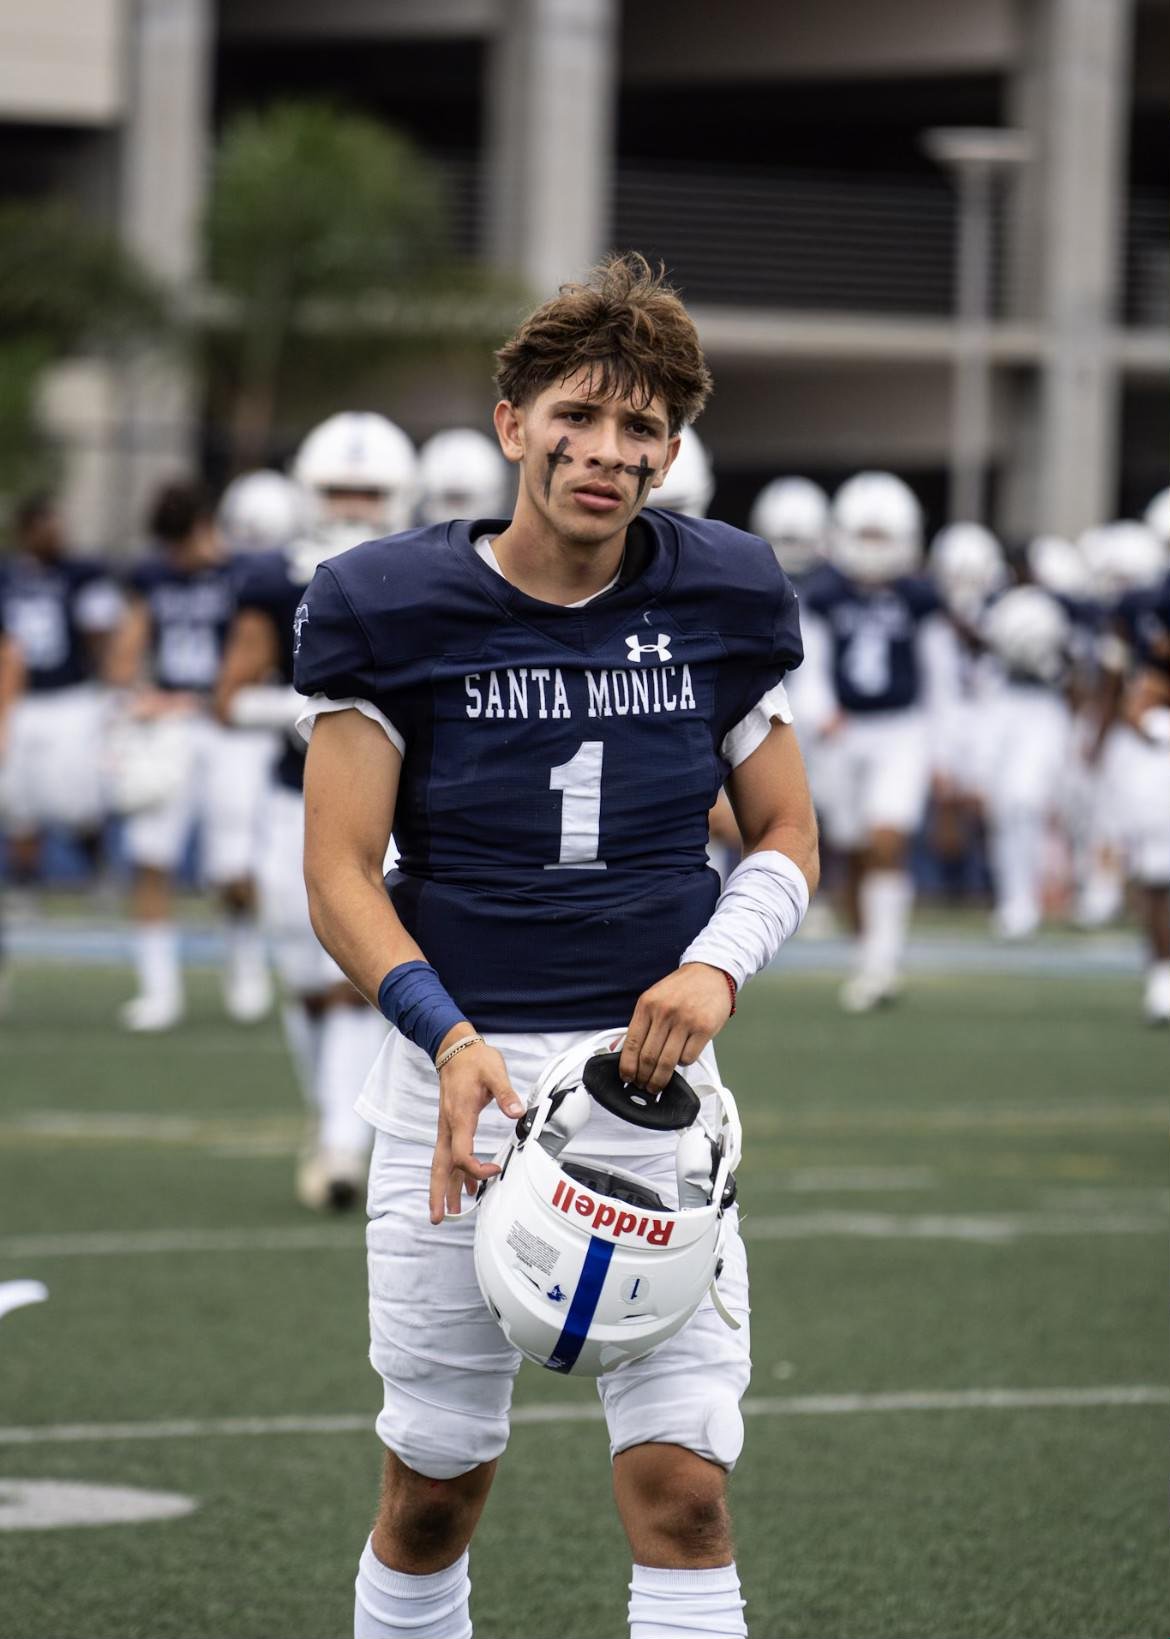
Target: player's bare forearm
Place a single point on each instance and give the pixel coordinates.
(773, 806)
(351, 786)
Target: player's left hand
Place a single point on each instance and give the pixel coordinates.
(673, 1022)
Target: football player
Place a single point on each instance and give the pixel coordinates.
(1135, 761)
(1028, 737)
(885, 650)
(543, 708)
(359, 471)
(461, 474)
(167, 652)
(11, 687)
(61, 611)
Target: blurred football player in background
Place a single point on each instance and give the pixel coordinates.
(884, 652)
(461, 474)
(690, 483)
(174, 767)
(357, 480)
(61, 611)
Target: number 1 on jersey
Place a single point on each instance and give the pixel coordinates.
(580, 781)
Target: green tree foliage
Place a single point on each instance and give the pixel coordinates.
(66, 287)
(326, 251)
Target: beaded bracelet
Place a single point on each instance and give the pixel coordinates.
(445, 1057)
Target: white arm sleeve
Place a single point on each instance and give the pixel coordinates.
(265, 705)
(761, 906)
(319, 705)
(751, 731)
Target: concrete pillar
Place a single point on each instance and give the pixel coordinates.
(165, 156)
(550, 138)
(1072, 93)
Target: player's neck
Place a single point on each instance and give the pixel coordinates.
(542, 564)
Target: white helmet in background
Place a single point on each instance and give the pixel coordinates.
(1029, 631)
(1058, 566)
(968, 564)
(584, 1265)
(357, 470)
(792, 515)
(690, 483)
(461, 474)
(1157, 516)
(1123, 557)
(875, 530)
(261, 511)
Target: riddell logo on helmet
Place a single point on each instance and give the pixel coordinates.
(607, 1218)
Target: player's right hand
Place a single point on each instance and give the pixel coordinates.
(467, 1085)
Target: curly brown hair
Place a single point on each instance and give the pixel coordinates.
(627, 327)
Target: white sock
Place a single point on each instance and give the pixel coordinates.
(1017, 852)
(156, 961)
(679, 1604)
(885, 899)
(247, 956)
(350, 1040)
(391, 1603)
(302, 1035)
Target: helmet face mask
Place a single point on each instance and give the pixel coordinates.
(583, 1264)
(875, 528)
(792, 515)
(357, 471)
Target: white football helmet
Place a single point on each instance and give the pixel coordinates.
(1029, 631)
(1058, 566)
(1157, 515)
(792, 515)
(584, 1265)
(875, 529)
(969, 565)
(461, 474)
(261, 511)
(1123, 557)
(690, 483)
(357, 470)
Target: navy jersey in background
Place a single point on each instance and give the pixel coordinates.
(52, 610)
(873, 634)
(190, 611)
(1144, 619)
(559, 762)
(268, 586)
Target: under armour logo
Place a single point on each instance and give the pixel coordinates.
(299, 620)
(637, 650)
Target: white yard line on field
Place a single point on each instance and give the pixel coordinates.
(990, 1229)
(588, 1411)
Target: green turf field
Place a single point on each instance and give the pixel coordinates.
(962, 1196)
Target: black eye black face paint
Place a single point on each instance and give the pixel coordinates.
(643, 472)
(554, 461)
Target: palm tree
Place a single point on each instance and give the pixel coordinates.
(66, 287)
(326, 251)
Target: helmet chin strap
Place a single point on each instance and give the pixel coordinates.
(721, 1308)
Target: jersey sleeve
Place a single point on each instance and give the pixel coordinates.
(332, 653)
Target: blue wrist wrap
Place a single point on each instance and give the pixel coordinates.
(412, 997)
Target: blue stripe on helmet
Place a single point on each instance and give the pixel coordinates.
(583, 1307)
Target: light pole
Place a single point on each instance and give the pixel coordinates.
(975, 159)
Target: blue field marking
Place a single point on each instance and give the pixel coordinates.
(583, 1307)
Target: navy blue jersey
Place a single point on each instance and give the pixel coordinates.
(874, 636)
(1144, 619)
(52, 610)
(190, 611)
(268, 586)
(559, 763)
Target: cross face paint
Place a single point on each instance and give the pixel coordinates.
(643, 472)
(554, 461)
